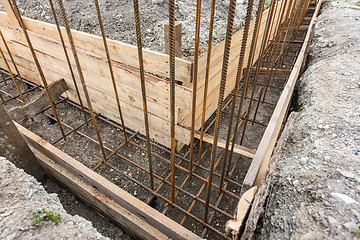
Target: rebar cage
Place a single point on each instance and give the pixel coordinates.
(184, 144)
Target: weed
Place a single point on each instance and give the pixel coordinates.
(355, 232)
(357, 3)
(42, 215)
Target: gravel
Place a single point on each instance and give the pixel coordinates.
(21, 195)
(316, 189)
(119, 23)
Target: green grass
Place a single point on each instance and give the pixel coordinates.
(357, 3)
(49, 216)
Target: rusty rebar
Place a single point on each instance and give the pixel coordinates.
(195, 78)
(41, 73)
(206, 83)
(143, 88)
(110, 67)
(229, 30)
(67, 59)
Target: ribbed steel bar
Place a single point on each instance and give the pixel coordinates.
(67, 59)
(143, 89)
(110, 66)
(229, 31)
(13, 61)
(12, 76)
(262, 51)
(195, 78)
(278, 38)
(78, 66)
(206, 83)
(237, 86)
(3, 78)
(172, 92)
(42, 76)
(2, 99)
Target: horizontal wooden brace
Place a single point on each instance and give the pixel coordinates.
(263, 71)
(222, 143)
(87, 193)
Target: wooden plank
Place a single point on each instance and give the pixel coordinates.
(233, 226)
(178, 35)
(38, 102)
(125, 76)
(106, 105)
(222, 143)
(261, 196)
(110, 190)
(154, 62)
(128, 221)
(267, 143)
(263, 71)
(14, 148)
(10, 13)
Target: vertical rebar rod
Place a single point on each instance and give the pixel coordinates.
(78, 66)
(41, 73)
(11, 74)
(110, 67)
(229, 30)
(206, 83)
(13, 61)
(195, 78)
(67, 59)
(3, 78)
(269, 51)
(2, 99)
(143, 88)
(262, 50)
(172, 92)
(237, 86)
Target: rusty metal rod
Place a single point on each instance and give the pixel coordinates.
(41, 73)
(12, 76)
(13, 61)
(78, 66)
(110, 67)
(237, 86)
(143, 88)
(67, 59)
(195, 78)
(229, 31)
(206, 83)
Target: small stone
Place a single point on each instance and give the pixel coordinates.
(357, 178)
(344, 198)
(351, 226)
(333, 221)
(346, 174)
(296, 182)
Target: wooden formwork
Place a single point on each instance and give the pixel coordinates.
(47, 45)
(132, 213)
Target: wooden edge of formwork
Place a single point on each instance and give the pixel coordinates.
(143, 217)
(131, 224)
(260, 197)
(262, 156)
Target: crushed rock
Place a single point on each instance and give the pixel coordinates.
(320, 163)
(20, 195)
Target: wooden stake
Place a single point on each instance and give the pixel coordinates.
(14, 148)
(10, 12)
(178, 35)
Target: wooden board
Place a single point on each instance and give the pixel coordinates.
(14, 148)
(110, 190)
(154, 62)
(128, 221)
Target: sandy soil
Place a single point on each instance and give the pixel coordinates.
(316, 190)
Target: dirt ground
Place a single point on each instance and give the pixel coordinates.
(118, 19)
(316, 190)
